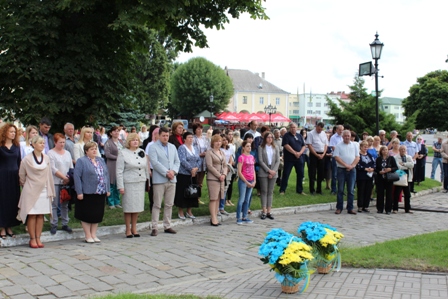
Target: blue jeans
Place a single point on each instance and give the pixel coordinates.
(334, 175)
(437, 162)
(344, 177)
(244, 200)
(287, 167)
(222, 202)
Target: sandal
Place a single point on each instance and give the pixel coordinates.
(11, 234)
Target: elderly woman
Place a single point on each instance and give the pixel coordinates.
(370, 149)
(176, 137)
(9, 178)
(200, 144)
(376, 144)
(61, 162)
(269, 160)
(132, 175)
(111, 148)
(384, 164)
(190, 163)
(85, 136)
(405, 163)
(25, 146)
(364, 176)
(37, 192)
(91, 178)
(215, 159)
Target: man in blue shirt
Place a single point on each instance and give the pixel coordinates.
(412, 150)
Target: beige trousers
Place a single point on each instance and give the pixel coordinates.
(166, 191)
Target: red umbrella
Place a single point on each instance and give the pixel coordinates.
(278, 118)
(230, 117)
(250, 117)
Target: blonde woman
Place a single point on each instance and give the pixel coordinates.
(395, 150)
(37, 192)
(85, 136)
(25, 146)
(132, 173)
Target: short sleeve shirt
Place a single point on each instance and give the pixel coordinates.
(247, 166)
(317, 140)
(296, 142)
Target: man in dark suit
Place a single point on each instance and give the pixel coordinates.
(44, 129)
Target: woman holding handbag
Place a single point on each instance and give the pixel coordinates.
(406, 164)
(60, 161)
(190, 163)
(385, 165)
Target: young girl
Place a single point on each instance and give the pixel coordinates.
(246, 182)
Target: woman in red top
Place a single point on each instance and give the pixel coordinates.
(176, 137)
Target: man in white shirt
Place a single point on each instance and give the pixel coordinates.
(253, 125)
(335, 140)
(346, 155)
(317, 142)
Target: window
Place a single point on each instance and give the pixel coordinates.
(326, 104)
(310, 104)
(295, 104)
(277, 101)
(296, 112)
(317, 112)
(244, 99)
(261, 101)
(318, 104)
(309, 111)
(386, 107)
(396, 107)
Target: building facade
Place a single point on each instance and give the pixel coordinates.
(252, 93)
(393, 106)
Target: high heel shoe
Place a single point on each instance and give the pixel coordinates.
(33, 246)
(212, 224)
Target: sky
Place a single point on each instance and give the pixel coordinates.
(319, 44)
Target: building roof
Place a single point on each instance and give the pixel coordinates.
(244, 80)
(391, 101)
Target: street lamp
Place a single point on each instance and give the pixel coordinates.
(211, 108)
(270, 110)
(376, 47)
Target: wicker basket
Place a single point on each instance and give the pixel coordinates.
(289, 289)
(324, 269)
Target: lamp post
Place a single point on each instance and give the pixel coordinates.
(376, 47)
(270, 110)
(211, 108)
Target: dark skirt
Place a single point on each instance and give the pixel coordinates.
(183, 181)
(91, 208)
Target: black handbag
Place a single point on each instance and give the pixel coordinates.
(192, 191)
(392, 177)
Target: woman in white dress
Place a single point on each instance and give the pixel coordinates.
(25, 146)
(143, 134)
(132, 175)
(37, 192)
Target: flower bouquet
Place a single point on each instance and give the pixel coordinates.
(324, 239)
(288, 256)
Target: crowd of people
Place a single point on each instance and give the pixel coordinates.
(39, 171)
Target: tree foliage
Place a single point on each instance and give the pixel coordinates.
(192, 84)
(360, 112)
(79, 60)
(428, 100)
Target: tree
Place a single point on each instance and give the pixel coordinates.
(79, 60)
(192, 84)
(360, 113)
(429, 99)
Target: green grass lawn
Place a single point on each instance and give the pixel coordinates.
(427, 252)
(290, 199)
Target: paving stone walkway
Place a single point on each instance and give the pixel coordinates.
(221, 261)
